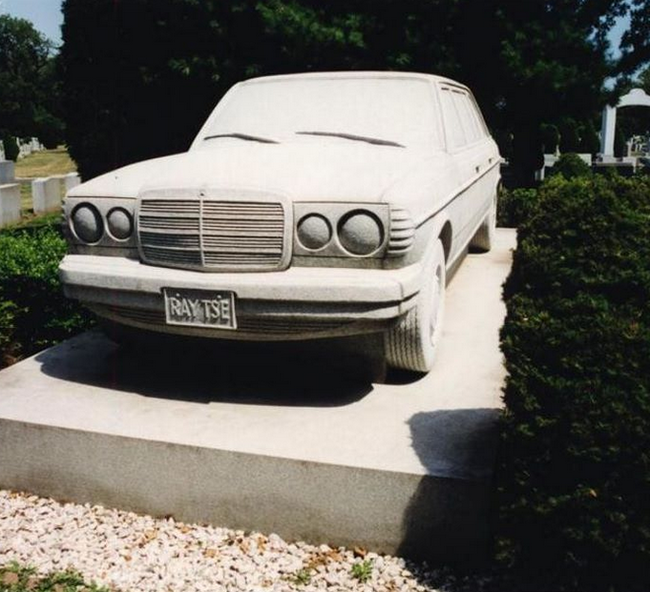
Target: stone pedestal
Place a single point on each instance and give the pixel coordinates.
(275, 437)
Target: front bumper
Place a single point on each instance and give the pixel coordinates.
(298, 303)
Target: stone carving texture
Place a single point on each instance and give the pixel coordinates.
(314, 205)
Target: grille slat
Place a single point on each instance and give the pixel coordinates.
(163, 255)
(187, 241)
(212, 235)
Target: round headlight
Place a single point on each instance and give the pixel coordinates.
(314, 232)
(360, 232)
(120, 223)
(87, 223)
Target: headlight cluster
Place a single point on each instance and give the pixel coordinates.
(120, 223)
(87, 223)
(90, 224)
(314, 232)
(340, 229)
(360, 233)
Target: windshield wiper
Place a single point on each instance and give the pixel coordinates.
(242, 137)
(377, 141)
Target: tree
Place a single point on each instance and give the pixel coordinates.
(635, 44)
(589, 140)
(140, 76)
(569, 135)
(27, 82)
(550, 138)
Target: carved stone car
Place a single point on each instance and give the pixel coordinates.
(308, 206)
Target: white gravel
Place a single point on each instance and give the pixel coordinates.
(130, 552)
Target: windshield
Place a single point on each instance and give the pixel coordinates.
(391, 110)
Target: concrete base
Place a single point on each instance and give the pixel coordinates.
(288, 441)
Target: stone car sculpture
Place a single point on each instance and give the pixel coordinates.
(308, 206)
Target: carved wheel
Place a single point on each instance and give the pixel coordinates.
(413, 342)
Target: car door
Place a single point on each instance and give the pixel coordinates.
(466, 144)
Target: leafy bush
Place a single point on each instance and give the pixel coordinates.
(10, 147)
(34, 313)
(571, 166)
(515, 206)
(573, 477)
(15, 577)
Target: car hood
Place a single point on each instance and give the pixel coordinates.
(335, 170)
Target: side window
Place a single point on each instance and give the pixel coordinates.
(479, 117)
(456, 137)
(471, 110)
(466, 116)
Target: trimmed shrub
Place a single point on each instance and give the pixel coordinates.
(571, 166)
(34, 314)
(515, 206)
(573, 476)
(10, 147)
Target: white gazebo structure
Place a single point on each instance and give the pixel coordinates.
(635, 98)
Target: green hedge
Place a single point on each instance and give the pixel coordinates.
(570, 165)
(34, 314)
(11, 149)
(515, 206)
(573, 476)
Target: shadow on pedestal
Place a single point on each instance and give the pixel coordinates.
(314, 373)
(446, 519)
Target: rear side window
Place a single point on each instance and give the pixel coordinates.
(463, 121)
(468, 116)
(479, 116)
(456, 137)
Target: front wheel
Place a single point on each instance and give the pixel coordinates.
(413, 342)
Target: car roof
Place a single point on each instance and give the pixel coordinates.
(352, 74)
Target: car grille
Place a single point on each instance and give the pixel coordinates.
(212, 235)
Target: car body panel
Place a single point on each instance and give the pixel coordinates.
(431, 187)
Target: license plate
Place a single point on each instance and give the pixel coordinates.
(200, 308)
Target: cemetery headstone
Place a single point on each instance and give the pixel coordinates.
(71, 180)
(9, 204)
(7, 172)
(46, 195)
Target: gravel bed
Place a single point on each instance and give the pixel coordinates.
(131, 552)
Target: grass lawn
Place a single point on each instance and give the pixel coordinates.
(45, 164)
(30, 220)
(25, 197)
(41, 164)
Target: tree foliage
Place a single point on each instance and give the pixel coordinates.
(636, 40)
(28, 83)
(141, 76)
